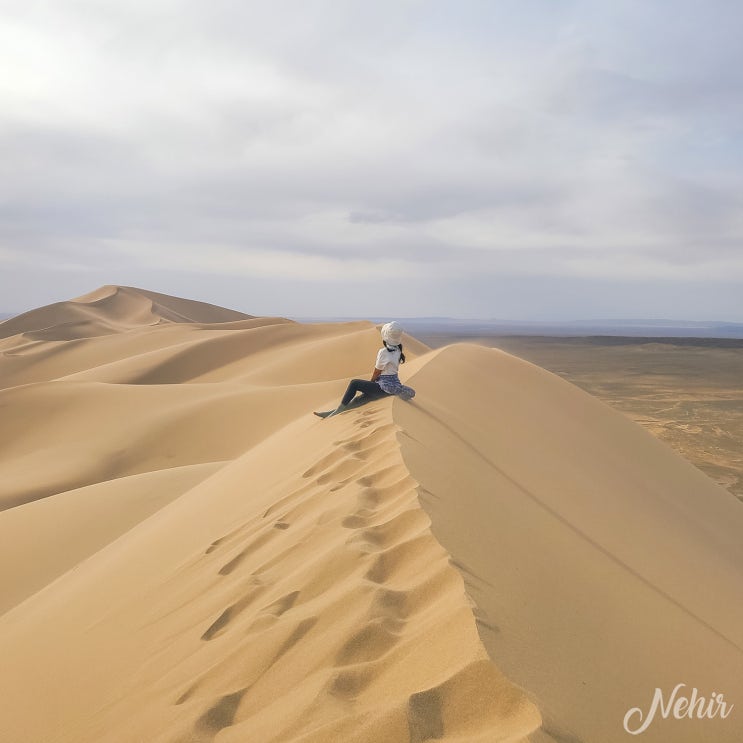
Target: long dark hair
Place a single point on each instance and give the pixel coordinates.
(390, 347)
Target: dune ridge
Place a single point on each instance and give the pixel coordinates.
(111, 309)
(191, 555)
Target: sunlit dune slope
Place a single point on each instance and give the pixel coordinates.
(111, 309)
(193, 555)
(188, 554)
(603, 565)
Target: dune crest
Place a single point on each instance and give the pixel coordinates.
(191, 555)
(110, 309)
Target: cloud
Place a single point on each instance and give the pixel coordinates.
(322, 140)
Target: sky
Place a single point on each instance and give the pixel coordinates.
(520, 159)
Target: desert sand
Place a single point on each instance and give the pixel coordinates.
(188, 554)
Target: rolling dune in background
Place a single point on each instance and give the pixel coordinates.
(188, 554)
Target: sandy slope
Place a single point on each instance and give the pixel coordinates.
(603, 565)
(187, 554)
(110, 309)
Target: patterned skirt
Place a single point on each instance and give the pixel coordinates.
(392, 385)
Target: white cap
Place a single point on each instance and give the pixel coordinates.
(392, 333)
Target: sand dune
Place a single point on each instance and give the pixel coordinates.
(188, 554)
(111, 309)
(584, 541)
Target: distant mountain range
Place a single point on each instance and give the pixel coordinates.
(625, 327)
(654, 328)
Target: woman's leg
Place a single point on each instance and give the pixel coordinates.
(392, 385)
(370, 390)
(407, 393)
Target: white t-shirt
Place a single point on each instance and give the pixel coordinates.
(388, 361)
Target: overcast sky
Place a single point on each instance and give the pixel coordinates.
(526, 159)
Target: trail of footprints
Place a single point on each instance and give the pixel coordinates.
(403, 571)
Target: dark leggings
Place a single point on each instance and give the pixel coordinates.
(369, 390)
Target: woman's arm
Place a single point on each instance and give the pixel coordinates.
(375, 374)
